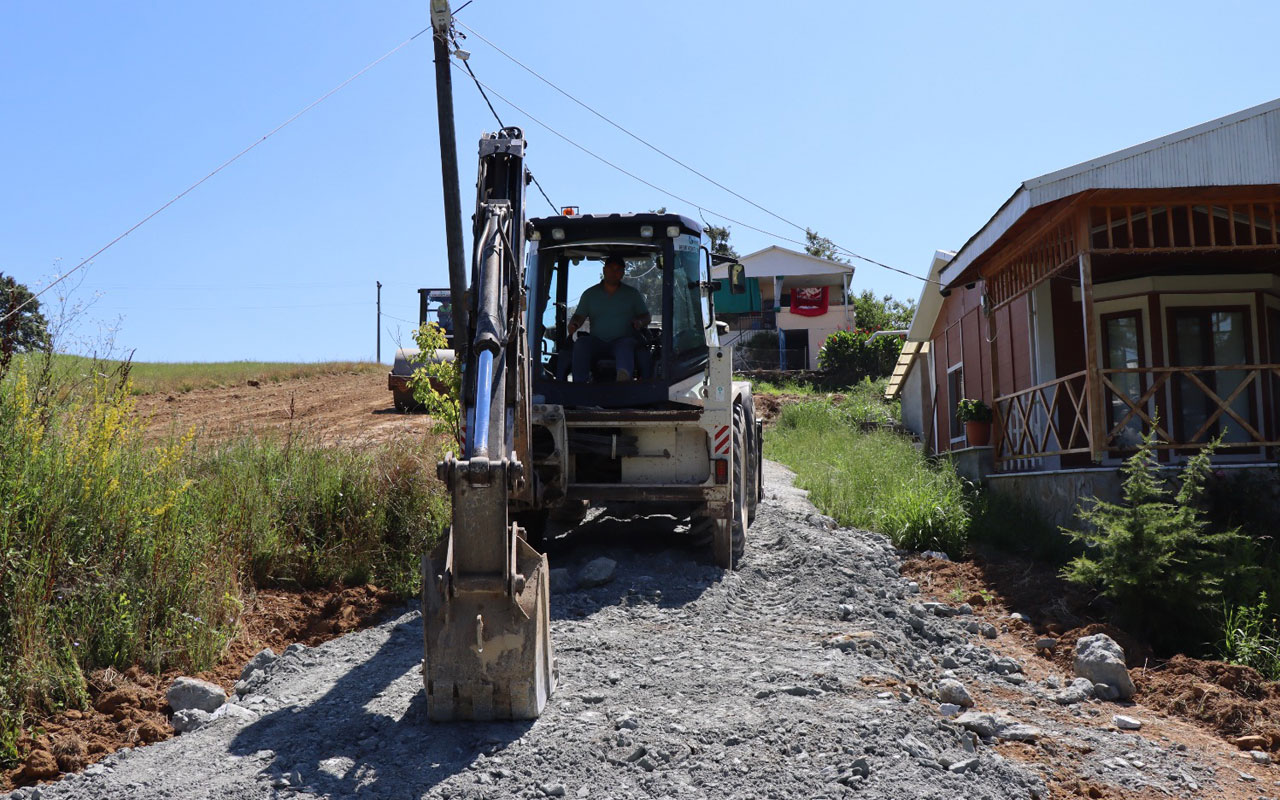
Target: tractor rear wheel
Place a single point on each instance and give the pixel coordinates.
(729, 536)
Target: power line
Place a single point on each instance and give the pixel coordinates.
(238, 308)
(672, 194)
(221, 167)
(480, 88)
(673, 159)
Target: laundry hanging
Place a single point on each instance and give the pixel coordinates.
(809, 301)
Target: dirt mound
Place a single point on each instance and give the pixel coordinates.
(1231, 700)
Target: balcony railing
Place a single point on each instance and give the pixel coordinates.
(1195, 404)
(1049, 419)
(1177, 387)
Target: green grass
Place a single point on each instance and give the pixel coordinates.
(115, 552)
(176, 377)
(877, 480)
(784, 387)
(1250, 638)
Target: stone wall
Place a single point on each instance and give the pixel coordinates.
(1057, 494)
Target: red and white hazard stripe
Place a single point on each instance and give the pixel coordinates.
(722, 440)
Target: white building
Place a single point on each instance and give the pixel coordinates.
(777, 277)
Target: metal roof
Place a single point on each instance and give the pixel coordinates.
(1240, 149)
(773, 261)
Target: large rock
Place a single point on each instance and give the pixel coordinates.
(1101, 660)
(189, 719)
(953, 691)
(981, 723)
(188, 693)
(597, 572)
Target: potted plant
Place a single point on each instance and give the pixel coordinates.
(976, 416)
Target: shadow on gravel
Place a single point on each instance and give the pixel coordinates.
(658, 561)
(355, 738)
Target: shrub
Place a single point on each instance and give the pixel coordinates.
(114, 552)
(1154, 554)
(437, 385)
(850, 356)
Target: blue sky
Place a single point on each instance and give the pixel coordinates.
(893, 128)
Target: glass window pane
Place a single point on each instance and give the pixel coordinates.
(1123, 353)
(1229, 347)
(686, 308)
(1192, 405)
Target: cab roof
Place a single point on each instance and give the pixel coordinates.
(604, 224)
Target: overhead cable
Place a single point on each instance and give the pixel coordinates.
(480, 88)
(221, 167)
(673, 195)
(675, 160)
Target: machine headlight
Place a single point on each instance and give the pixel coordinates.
(646, 231)
(673, 231)
(557, 234)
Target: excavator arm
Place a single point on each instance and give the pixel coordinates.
(486, 592)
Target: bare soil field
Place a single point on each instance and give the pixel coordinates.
(349, 409)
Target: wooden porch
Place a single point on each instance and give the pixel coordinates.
(1105, 398)
(1055, 418)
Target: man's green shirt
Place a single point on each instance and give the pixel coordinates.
(611, 314)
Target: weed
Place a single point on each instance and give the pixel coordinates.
(878, 480)
(114, 552)
(1249, 638)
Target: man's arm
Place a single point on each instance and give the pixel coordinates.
(581, 313)
(642, 316)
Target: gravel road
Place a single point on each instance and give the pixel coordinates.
(676, 680)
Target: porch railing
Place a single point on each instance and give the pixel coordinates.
(1049, 419)
(1157, 386)
(1052, 418)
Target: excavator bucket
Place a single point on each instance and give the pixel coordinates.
(487, 640)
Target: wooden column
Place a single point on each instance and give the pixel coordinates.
(988, 321)
(1093, 377)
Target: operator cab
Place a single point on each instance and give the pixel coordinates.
(662, 254)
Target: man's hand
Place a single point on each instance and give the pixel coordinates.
(640, 323)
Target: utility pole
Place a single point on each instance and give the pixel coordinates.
(379, 357)
(442, 23)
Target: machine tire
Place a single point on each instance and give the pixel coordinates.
(404, 402)
(729, 537)
(754, 480)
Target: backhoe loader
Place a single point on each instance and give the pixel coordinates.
(677, 437)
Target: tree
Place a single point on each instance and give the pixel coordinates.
(28, 329)
(1155, 553)
(719, 236)
(882, 314)
(822, 247)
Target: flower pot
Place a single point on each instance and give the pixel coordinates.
(978, 433)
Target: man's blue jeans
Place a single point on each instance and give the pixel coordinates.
(587, 349)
